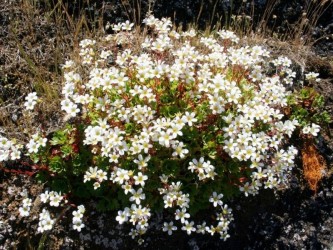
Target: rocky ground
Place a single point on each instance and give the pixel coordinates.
(292, 219)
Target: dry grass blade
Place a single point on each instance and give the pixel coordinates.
(313, 165)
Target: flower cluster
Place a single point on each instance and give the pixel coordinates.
(30, 101)
(9, 150)
(53, 198)
(45, 221)
(173, 196)
(26, 205)
(312, 76)
(203, 169)
(313, 129)
(35, 143)
(77, 218)
(95, 174)
(138, 216)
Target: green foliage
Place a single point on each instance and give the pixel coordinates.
(307, 106)
(170, 167)
(105, 205)
(59, 137)
(56, 164)
(60, 185)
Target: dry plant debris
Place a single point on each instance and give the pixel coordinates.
(313, 165)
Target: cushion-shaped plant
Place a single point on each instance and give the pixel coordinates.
(163, 119)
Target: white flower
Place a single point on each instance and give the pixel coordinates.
(126, 187)
(137, 196)
(246, 189)
(78, 225)
(122, 216)
(216, 199)
(101, 175)
(15, 154)
(189, 118)
(81, 208)
(68, 64)
(306, 130)
(27, 202)
(24, 211)
(86, 43)
(127, 26)
(169, 227)
(96, 185)
(121, 176)
(164, 139)
(179, 150)
(182, 215)
(314, 129)
(45, 222)
(55, 199)
(5, 143)
(142, 162)
(44, 197)
(140, 179)
(77, 215)
(117, 27)
(35, 143)
(201, 228)
(188, 227)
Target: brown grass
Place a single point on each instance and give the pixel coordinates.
(297, 33)
(37, 37)
(313, 165)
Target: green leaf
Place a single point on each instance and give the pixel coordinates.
(170, 167)
(153, 185)
(220, 139)
(79, 164)
(35, 158)
(66, 150)
(60, 185)
(81, 190)
(105, 205)
(41, 177)
(129, 128)
(56, 164)
(59, 138)
(322, 117)
(318, 102)
(155, 202)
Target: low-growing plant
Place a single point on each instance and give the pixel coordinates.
(307, 106)
(172, 120)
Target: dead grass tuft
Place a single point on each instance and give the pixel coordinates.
(313, 165)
